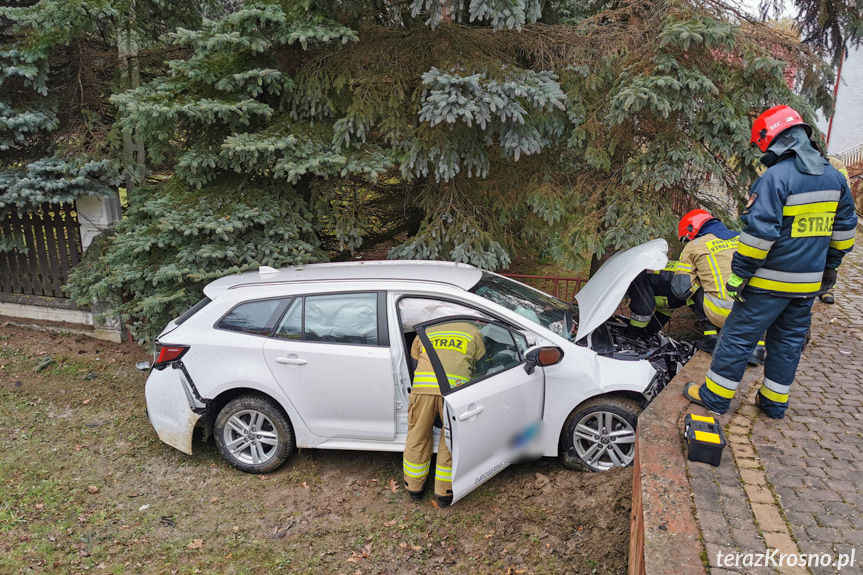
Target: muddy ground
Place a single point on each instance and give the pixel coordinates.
(85, 486)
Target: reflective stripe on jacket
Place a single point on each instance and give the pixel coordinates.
(709, 259)
(458, 346)
(796, 226)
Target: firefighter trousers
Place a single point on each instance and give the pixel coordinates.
(786, 321)
(422, 409)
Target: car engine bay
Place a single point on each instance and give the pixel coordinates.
(664, 353)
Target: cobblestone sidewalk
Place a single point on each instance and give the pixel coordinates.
(795, 485)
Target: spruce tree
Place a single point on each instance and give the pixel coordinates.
(59, 63)
(294, 128)
(50, 64)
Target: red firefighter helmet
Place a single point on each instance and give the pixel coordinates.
(773, 122)
(691, 223)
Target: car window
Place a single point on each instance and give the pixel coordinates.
(342, 318)
(252, 317)
(540, 308)
(501, 351)
(291, 326)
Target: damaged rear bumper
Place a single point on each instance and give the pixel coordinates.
(172, 406)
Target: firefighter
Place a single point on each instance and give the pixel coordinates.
(705, 267)
(826, 295)
(799, 223)
(706, 260)
(651, 301)
(458, 345)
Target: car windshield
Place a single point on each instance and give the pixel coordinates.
(547, 311)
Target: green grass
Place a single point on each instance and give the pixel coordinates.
(63, 431)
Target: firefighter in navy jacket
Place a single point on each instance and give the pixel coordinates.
(799, 223)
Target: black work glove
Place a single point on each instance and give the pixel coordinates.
(828, 280)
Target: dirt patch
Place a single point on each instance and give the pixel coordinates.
(88, 487)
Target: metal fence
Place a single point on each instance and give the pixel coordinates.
(37, 250)
(561, 288)
(852, 156)
(681, 204)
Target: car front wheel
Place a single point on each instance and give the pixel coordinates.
(254, 434)
(600, 434)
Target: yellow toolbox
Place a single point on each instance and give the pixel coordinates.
(704, 439)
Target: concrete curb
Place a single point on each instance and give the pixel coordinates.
(664, 535)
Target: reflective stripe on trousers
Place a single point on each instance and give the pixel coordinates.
(419, 445)
(774, 391)
(443, 473)
(720, 385)
(417, 470)
(786, 321)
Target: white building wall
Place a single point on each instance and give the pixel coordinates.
(847, 129)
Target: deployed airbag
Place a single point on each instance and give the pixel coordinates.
(414, 310)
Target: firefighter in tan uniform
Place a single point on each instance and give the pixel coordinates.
(709, 250)
(459, 346)
(708, 253)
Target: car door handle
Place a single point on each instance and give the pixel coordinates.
(471, 413)
(291, 361)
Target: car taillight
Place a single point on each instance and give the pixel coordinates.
(167, 354)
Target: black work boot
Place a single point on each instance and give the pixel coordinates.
(758, 355)
(707, 343)
(441, 501)
(771, 416)
(416, 496)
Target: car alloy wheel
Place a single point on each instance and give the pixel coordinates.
(600, 434)
(254, 434)
(603, 440)
(251, 437)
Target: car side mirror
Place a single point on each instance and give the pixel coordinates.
(543, 357)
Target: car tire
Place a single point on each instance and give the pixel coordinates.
(586, 442)
(254, 434)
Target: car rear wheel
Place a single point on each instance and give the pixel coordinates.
(600, 434)
(254, 434)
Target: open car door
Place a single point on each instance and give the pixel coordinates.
(494, 411)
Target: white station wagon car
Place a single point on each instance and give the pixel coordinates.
(319, 356)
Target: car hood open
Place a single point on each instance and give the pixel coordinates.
(600, 296)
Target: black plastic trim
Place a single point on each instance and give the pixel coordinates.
(182, 367)
(192, 311)
(383, 328)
